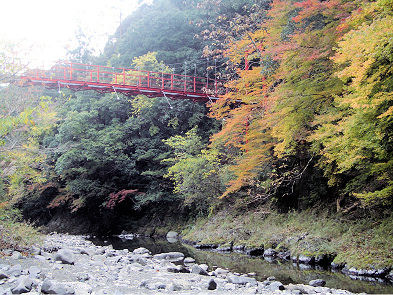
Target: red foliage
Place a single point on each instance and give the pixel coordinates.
(117, 198)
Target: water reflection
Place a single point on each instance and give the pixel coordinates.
(286, 272)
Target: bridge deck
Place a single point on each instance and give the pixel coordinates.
(130, 82)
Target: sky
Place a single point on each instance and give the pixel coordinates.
(43, 29)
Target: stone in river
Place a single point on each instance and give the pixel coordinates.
(65, 256)
(317, 283)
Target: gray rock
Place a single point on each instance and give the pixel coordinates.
(169, 256)
(34, 272)
(189, 260)
(65, 256)
(3, 275)
(5, 291)
(271, 279)
(198, 270)
(242, 280)
(51, 287)
(83, 277)
(35, 250)
(172, 235)
(16, 255)
(173, 287)
(15, 270)
(270, 253)
(224, 249)
(177, 269)
(306, 259)
(275, 285)
(4, 267)
(205, 267)
(220, 271)
(238, 248)
(317, 283)
(141, 251)
(285, 255)
(211, 285)
(85, 252)
(390, 276)
(24, 284)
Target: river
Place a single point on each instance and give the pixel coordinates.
(285, 272)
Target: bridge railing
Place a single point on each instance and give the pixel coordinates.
(70, 71)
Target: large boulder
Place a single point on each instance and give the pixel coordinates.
(65, 256)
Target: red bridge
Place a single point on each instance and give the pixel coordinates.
(130, 82)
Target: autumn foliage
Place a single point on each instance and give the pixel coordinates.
(318, 94)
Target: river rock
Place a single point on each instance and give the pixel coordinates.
(16, 255)
(141, 251)
(306, 259)
(173, 287)
(220, 272)
(276, 285)
(172, 235)
(205, 267)
(24, 284)
(3, 275)
(35, 250)
(51, 287)
(189, 260)
(65, 256)
(198, 270)
(269, 253)
(211, 285)
(169, 256)
(390, 276)
(242, 280)
(224, 249)
(16, 270)
(34, 272)
(238, 248)
(317, 283)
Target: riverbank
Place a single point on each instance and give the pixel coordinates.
(359, 247)
(68, 264)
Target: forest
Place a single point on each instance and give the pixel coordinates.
(300, 145)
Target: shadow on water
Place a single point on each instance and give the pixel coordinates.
(285, 272)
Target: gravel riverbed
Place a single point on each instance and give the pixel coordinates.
(67, 264)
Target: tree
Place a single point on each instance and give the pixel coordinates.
(196, 172)
(355, 138)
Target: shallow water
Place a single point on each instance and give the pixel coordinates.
(285, 272)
